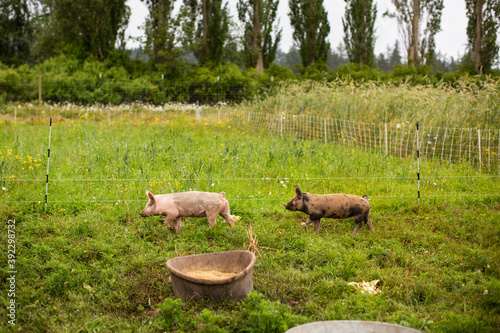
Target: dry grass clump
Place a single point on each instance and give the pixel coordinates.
(253, 243)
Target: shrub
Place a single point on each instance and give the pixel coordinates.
(172, 315)
(260, 315)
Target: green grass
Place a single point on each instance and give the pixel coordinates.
(91, 263)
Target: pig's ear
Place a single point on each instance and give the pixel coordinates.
(298, 192)
(151, 197)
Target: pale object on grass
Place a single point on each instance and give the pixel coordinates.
(366, 287)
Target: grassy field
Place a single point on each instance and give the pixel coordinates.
(89, 262)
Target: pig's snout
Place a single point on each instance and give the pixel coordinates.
(143, 214)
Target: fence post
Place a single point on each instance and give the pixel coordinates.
(460, 148)
(479, 146)
(418, 169)
(281, 125)
(326, 137)
(39, 88)
(48, 159)
(444, 142)
(435, 143)
(451, 145)
(385, 137)
(489, 149)
(470, 144)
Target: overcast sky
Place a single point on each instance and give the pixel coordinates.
(451, 41)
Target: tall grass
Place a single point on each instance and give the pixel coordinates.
(90, 263)
(466, 104)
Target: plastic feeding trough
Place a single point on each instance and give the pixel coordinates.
(217, 275)
(350, 326)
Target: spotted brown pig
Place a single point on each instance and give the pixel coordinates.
(188, 204)
(337, 206)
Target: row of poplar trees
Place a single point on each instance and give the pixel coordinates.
(203, 27)
(37, 29)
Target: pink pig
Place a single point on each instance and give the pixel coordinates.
(188, 204)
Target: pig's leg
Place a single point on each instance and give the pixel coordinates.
(212, 220)
(177, 224)
(358, 220)
(225, 214)
(316, 226)
(168, 219)
(368, 223)
(364, 218)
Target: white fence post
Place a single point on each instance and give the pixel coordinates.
(418, 169)
(479, 146)
(460, 147)
(444, 142)
(470, 144)
(385, 137)
(326, 138)
(48, 160)
(489, 150)
(451, 144)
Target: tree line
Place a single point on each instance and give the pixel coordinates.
(32, 31)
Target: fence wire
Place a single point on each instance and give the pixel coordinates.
(284, 199)
(478, 147)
